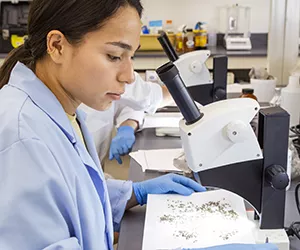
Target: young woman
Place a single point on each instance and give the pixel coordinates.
(53, 193)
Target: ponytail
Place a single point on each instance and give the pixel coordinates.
(21, 54)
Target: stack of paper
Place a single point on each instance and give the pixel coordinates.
(165, 119)
(201, 220)
(157, 160)
(162, 120)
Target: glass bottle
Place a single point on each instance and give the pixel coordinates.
(248, 93)
(188, 42)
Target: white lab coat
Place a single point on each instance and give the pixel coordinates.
(142, 95)
(139, 97)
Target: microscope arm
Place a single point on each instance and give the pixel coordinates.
(223, 136)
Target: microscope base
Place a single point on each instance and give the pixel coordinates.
(275, 236)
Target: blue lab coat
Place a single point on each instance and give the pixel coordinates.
(53, 194)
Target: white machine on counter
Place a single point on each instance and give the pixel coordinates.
(290, 99)
(223, 151)
(237, 35)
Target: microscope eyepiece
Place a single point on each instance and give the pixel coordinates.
(170, 76)
(167, 46)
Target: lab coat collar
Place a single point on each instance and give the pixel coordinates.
(25, 80)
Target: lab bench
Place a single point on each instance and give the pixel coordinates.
(132, 227)
(237, 60)
(145, 60)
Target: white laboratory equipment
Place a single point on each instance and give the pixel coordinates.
(237, 36)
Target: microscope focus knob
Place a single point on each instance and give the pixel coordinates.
(196, 67)
(277, 177)
(219, 94)
(236, 131)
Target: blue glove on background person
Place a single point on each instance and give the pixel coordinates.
(122, 143)
(167, 184)
(266, 246)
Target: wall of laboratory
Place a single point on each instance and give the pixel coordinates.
(190, 11)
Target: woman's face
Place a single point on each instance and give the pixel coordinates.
(96, 71)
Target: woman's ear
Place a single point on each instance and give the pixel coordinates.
(57, 45)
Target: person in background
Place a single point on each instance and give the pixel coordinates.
(53, 192)
(101, 124)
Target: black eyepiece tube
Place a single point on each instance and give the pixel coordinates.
(169, 75)
(167, 46)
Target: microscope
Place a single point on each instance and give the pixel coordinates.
(224, 152)
(203, 88)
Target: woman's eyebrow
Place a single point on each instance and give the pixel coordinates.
(121, 45)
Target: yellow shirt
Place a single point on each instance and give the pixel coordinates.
(76, 127)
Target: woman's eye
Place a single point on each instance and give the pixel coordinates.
(113, 58)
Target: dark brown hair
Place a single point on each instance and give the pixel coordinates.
(74, 18)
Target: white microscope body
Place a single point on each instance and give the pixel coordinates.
(224, 136)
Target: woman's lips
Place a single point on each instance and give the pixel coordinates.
(114, 96)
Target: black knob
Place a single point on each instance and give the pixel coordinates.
(277, 177)
(220, 94)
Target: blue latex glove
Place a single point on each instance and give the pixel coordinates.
(122, 143)
(167, 184)
(266, 246)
